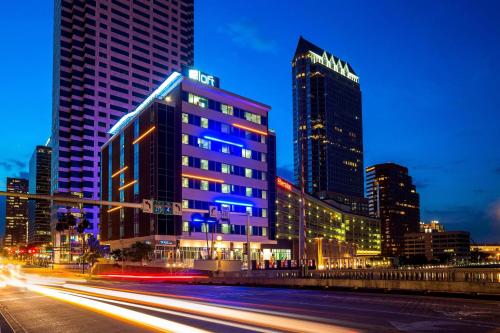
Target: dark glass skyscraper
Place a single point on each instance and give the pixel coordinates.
(39, 183)
(328, 135)
(394, 199)
(108, 57)
(16, 214)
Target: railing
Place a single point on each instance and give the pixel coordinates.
(471, 275)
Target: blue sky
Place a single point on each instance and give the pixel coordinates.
(429, 74)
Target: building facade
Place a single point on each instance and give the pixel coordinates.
(333, 236)
(108, 56)
(194, 144)
(393, 199)
(327, 125)
(445, 246)
(39, 183)
(16, 214)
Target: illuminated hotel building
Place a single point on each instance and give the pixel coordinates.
(192, 143)
(332, 234)
(108, 56)
(39, 183)
(327, 126)
(16, 214)
(393, 199)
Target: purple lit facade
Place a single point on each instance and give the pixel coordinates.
(200, 146)
(108, 56)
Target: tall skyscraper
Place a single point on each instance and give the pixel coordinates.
(327, 123)
(16, 214)
(108, 56)
(39, 183)
(394, 199)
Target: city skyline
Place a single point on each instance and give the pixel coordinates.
(452, 185)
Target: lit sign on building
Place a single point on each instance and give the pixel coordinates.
(204, 78)
(284, 184)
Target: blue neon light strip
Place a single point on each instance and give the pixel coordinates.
(160, 92)
(234, 203)
(198, 220)
(222, 141)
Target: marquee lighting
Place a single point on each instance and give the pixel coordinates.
(203, 178)
(222, 141)
(114, 208)
(250, 129)
(281, 183)
(119, 171)
(143, 135)
(226, 202)
(127, 185)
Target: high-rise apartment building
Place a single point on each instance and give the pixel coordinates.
(39, 183)
(393, 199)
(204, 148)
(16, 214)
(327, 124)
(108, 56)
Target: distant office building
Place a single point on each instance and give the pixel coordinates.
(108, 57)
(444, 246)
(486, 252)
(327, 125)
(333, 236)
(16, 214)
(432, 226)
(393, 199)
(39, 183)
(195, 144)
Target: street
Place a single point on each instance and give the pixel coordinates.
(43, 304)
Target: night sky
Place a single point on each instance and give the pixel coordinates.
(429, 73)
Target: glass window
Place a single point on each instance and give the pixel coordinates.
(226, 228)
(204, 164)
(204, 185)
(185, 118)
(249, 210)
(204, 227)
(185, 160)
(202, 143)
(225, 188)
(185, 139)
(197, 100)
(224, 168)
(264, 212)
(264, 194)
(263, 157)
(264, 175)
(264, 231)
(224, 128)
(185, 226)
(185, 203)
(185, 182)
(248, 191)
(246, 153)
(204, 122)
(226, 109)
(248, 173)
(225, 149)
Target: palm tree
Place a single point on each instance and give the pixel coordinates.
(70, 222)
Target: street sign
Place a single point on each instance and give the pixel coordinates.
(224, 214)
(147, 206)
(212, 211)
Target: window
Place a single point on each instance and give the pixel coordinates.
(204, 164)
(204, 122)
(264, 194)
(264, 214)
(185, 118)
(226, 109)
(185, 203)
(185, 160)
(225, 149)
(204, 185)
(185, 139)
(185, 182)
(225, 168)
(224, 128)
(264, 230)
(225, 188)
(246, 153)
(185, 226)
(248, 173)
(202, 143)
(197, 100)
(248, 191)
(225, 228)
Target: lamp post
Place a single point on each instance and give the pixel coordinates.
(249, 261)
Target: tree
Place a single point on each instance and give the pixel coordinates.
(83, 225)
(116, 254)
(140, 251)
(94, 252)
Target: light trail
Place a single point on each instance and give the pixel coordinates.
(280, 321)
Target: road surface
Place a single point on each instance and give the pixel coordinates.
(40, 304)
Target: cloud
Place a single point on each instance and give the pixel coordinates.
(244, 34)
(12, 164)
